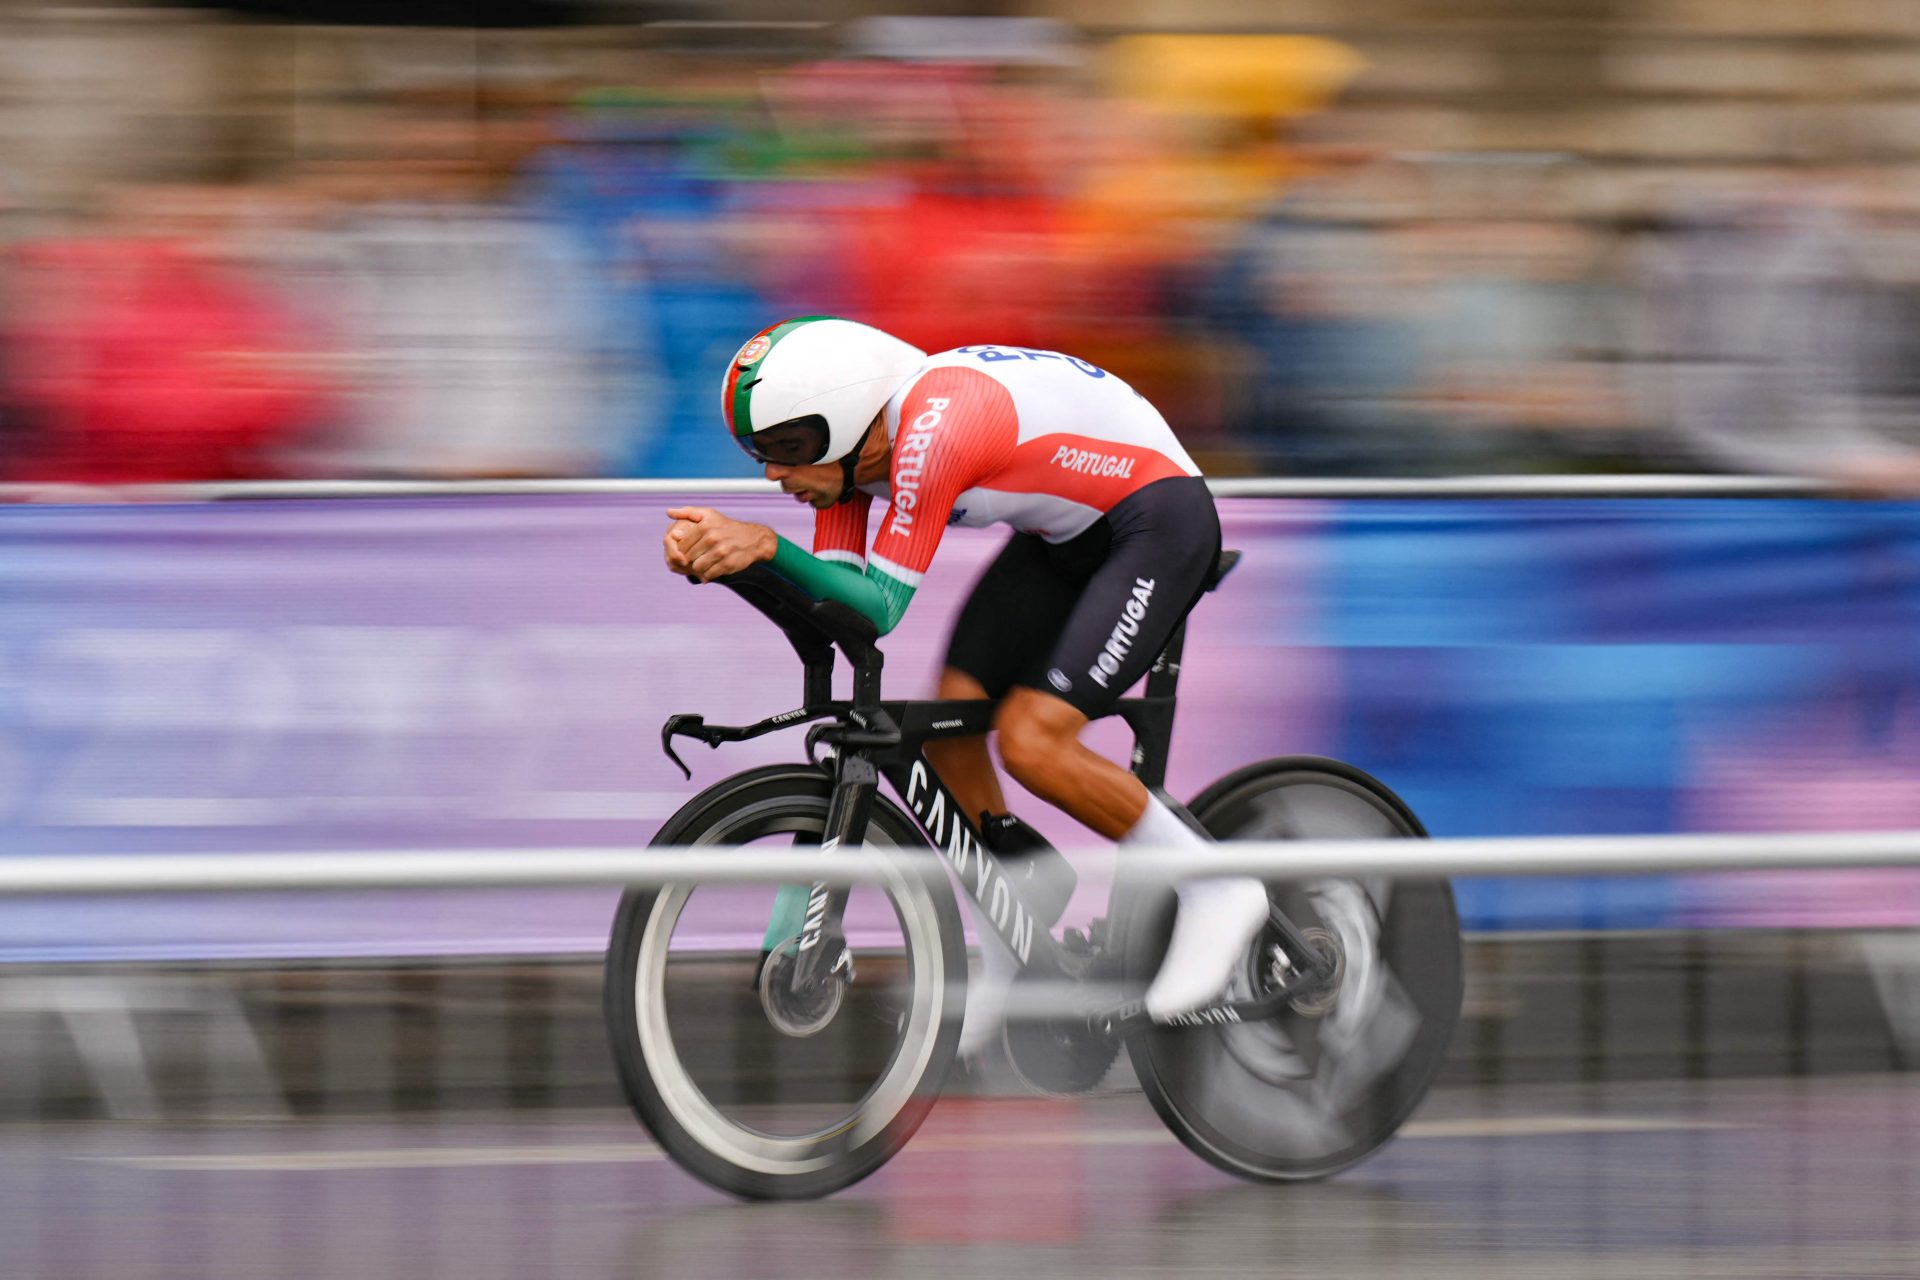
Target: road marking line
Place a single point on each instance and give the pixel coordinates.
(1532, 1126)
(392, 1158)
(642, 1153)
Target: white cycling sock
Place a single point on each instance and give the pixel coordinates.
(1159, 825)
(1216, 920)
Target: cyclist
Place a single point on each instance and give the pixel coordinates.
(1115, 534)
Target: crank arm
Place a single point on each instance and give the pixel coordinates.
(1132, 1016)
(1310, 962)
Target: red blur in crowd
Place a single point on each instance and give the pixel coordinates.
(143, 360)
(945, 267)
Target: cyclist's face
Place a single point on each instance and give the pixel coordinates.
(817, 484)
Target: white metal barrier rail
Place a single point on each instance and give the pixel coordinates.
(1594, 486)
(1277, 859)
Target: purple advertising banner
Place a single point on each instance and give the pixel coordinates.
(458, 672)
(444, 673)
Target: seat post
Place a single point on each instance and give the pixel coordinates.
(1163, 678)
(819, 686)
(1151, 716)
(866, 677)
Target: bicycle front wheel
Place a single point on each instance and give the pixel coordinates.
(1330, 1080)
(751, 1085)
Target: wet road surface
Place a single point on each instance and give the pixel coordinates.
(1793, 1178)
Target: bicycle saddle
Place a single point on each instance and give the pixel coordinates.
(1221, 568)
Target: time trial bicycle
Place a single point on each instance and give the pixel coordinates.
(798, 1070)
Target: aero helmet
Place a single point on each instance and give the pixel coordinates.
(806, 389)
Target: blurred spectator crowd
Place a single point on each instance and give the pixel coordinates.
(548, 281)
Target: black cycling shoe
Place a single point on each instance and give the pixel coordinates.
(1044, 877)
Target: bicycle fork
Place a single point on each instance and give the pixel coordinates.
(822, 945)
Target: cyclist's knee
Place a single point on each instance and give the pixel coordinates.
(1025, 751)
(1033, 729)
(958, 686)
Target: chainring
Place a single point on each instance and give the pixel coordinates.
(1064, 1055)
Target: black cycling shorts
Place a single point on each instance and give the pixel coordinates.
(1085, 618)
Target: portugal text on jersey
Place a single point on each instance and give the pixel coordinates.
(910, 458)
(1039, 440)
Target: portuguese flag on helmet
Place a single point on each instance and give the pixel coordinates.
(805, 390)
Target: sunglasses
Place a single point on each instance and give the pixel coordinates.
(796, 442)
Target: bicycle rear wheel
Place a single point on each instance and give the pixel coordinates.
(1330, 1080)
(750, 1090)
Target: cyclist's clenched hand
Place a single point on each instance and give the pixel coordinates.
(707, 545)
(679, 534)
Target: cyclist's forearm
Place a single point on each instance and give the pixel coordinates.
(879, 598)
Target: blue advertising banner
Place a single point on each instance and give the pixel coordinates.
(493, 671)
(1617, 666)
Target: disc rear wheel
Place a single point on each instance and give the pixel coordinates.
(1327, 1082)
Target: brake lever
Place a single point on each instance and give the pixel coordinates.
(675, 725)
(696, 726)
(813, 742)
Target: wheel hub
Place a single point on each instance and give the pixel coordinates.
(799, 1013)
(1320, 1001)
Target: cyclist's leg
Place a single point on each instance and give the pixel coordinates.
(1040, 745)
(1165, 542)
(1016, 609)
(1218, 915)
(963, 763)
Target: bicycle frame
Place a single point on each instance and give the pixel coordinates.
(874, 738)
